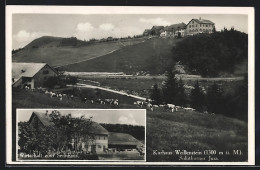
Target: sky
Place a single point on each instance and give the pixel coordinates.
(27, 27)
(132, 117)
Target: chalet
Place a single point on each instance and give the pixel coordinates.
(157, 30)
(196, 26)
(177, 30)
(164, 34)
(98, 140)
(146, 32)
(31, 74)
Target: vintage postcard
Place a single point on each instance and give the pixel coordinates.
(163, 85)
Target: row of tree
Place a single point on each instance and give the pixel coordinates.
(214, 99)
(136, 131)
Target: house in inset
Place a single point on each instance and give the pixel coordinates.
(196, 26)
(95, 141)
(31, 74)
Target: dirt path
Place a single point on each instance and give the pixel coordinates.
(86, 59)
(109, 90)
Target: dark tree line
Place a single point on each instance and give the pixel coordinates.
(213, 100)
(210, 54)
(60, 80)
(136, 131)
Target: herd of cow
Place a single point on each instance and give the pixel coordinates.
(167, 107)
(147, 104)
(61, 96)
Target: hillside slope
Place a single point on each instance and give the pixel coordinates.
(153, 57)
(62, 51)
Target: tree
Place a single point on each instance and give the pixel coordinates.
(27, 137)
(214, 29)
(197, 98)
(214, 98)
(181, 98)
(156, 95)
(170, 88)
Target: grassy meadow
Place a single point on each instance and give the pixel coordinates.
(166, 131)
(193, 131)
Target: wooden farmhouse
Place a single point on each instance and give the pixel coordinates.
(31, 74)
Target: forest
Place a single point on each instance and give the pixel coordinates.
(212, 54)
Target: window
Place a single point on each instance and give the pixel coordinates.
(190, 26)
(206, 25)
(196, 25)
(45, 72)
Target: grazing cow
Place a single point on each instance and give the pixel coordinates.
(150, 106)
(71, 97)
(162, 106)
(188, 108)
(171, 107)
(84, 100)
(26, 87)
(140, 103)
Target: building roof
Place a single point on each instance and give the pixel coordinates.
(176, 27)
(203, 21)
(95, 128)
(122, 139)
(26, 69)
(158, 27)
(44, 118)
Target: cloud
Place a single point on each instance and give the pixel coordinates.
(85, 27)
(87, 31)
(24, 37)
(155, 21)
(107, 27)
(129, 119)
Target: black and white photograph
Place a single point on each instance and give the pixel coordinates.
(191, 69)
(103, 135)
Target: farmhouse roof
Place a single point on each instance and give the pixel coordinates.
(44, 118)
(176, 26)
(26, 69)
(95, 128)
(157, 27)
(122, 139)
(203, 21)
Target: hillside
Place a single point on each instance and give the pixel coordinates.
(153, 56)
(166, 131)
(58, 51)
